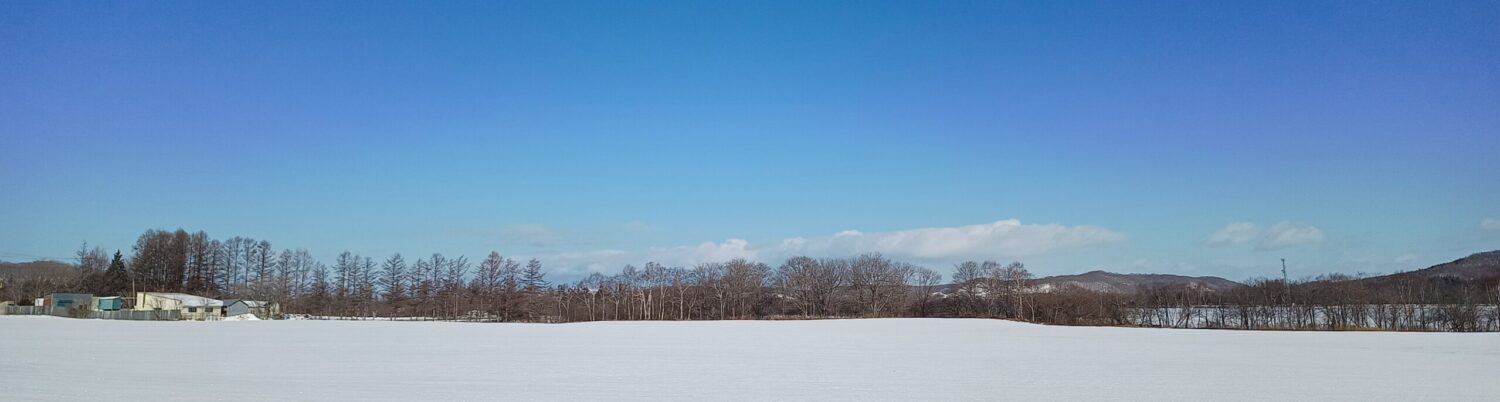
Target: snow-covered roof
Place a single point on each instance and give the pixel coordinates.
(248, 303)
(188, 300)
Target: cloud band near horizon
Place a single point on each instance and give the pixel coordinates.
(1000, 240)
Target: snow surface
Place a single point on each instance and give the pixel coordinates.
(48, 358)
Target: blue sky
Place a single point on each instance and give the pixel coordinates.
(1177, 137)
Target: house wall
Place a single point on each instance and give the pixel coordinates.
(210, 313)
(147, 301)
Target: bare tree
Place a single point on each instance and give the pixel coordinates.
(924, 285)
(92, 262)
(812, 284)
(878, 283)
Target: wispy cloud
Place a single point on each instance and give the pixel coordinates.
(1490, 224)
(1278, 236)
(1007, 238)
(1287, 234)
(1235, 233)
(530, 234)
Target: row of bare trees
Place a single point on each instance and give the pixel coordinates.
(868, 285)
(499, 288)
(1328, 302)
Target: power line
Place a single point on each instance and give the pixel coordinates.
(38, 256)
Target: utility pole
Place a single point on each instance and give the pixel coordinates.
(1286, 285)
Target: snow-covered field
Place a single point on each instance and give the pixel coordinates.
(45, 358)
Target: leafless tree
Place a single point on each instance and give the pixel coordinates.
(879, 283)
(812, 285)
(924, 285)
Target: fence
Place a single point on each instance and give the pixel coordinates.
(133, 315)
(137, 315)
(26, 310)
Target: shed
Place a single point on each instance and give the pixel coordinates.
(111, 303)
(65, 304)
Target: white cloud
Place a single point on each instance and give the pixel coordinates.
(583, 263)
(1007, 238)
(1235, 233)
(1287, 234)
(999, 240)
(1278, 236)
(703, 252)
(1490, 224)
(586, 262)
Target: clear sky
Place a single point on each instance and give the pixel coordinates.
(1202, 138)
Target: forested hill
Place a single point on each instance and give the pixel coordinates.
(1479, 267)
(36, 269)
(1110, 282)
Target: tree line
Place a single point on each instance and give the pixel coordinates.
(500, 288)
(1328, 302)
(353, 286)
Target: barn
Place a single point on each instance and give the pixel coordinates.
(191, 307)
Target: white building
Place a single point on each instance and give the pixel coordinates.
(191, 307)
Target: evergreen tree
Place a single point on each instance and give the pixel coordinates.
(116, 279)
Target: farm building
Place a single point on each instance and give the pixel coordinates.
(262, 309)
(64, 304)
(192, 307)
(111, 303)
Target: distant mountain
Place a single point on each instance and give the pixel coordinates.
(1475, 267)
(1110, 282)
(35, 269)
